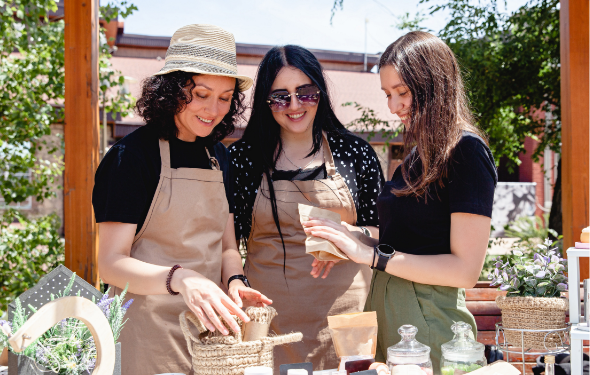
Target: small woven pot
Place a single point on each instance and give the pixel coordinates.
(213, 354)
(259, 324)
(533, 313)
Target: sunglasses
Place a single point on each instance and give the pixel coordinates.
(280, 100)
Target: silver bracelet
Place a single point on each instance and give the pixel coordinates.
(365, 231)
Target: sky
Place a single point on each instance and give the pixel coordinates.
(279, 22)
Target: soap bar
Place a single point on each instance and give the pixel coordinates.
(381, 368)
(497, 368)
(307, 366)
(358, 365)
(585, 236)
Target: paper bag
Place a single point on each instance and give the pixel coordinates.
(354, 334)
(320, 248)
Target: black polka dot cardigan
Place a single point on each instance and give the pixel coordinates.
(355, 160)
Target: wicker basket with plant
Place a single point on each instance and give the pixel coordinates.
(533, 300)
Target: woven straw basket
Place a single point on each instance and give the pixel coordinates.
(533, 313)
(214, 354)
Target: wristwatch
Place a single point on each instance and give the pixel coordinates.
(239, 277)
(385, 252)
(365, 231)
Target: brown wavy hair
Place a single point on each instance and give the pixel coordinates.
(164, 96)
(439, 112)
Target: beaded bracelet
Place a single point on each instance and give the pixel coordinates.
(169, 279)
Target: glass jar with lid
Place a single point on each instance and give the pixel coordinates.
(462, 354)
(409, 357)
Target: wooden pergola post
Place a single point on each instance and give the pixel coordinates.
(81, 136)
(575, 117)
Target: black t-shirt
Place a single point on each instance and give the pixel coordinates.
(126, 179)
(415, 226)
(315, 173)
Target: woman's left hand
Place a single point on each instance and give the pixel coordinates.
(318, 266)
(239, 292)
(340, 236)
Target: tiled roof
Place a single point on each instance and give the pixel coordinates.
(162, 42)
(131, 40)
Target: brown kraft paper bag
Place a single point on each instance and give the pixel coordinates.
(320, 248)
(354, 334)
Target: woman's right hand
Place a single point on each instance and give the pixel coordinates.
(207, 300)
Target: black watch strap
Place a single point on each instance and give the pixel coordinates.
(239, 277)
(382, 262)
(383, 256)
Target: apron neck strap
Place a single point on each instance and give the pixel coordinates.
(212, 161)
(165, 156)
(165, 153)
(328, 157)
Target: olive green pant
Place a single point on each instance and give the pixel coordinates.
(430, 308)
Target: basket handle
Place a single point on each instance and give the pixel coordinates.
(189, 316)
(286, 339)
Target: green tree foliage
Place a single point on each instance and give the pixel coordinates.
(31, 99)
(511, 65)
(28, 251)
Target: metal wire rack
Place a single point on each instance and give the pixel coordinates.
(552, 348)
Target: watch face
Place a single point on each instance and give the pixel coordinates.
(385, 249)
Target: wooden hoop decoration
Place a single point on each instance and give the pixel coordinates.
(71, 307)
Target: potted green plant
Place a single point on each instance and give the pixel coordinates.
(533, 299)
(67, 348)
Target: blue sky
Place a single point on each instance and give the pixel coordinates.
(276, 22)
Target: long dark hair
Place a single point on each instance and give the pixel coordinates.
(164, 96)
(439, 111)
(264, 133)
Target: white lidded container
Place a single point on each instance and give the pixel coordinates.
(462, 354)
(409, 356)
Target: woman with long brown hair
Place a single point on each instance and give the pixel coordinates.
(434, 214)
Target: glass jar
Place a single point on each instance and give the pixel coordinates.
(462, 354)
(409, 357)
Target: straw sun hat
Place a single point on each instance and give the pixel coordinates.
(204, 49)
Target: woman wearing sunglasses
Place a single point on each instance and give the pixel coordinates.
(435, 212)
(294, 150)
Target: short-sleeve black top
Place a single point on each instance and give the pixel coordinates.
(126, 179)
(423, 226)
(355, 161)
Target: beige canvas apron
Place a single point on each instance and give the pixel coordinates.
(302, 302)
(184, 226)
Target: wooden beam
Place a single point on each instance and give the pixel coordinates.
(575, 116)
(81, 136)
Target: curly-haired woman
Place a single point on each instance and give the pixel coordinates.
(164, 203)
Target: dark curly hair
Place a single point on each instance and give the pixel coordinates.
(164, 96)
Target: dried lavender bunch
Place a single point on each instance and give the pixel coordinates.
(542, 276)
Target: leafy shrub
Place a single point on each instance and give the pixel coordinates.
(29, 249)
(530, 231)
